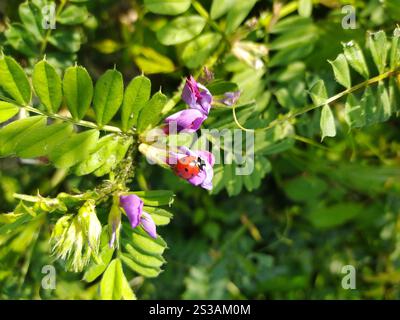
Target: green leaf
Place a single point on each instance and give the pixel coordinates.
(74, 149)
(305, 8)
(327, 123)
(151, 61)
(78, 91)
(156, 198)
(20, 39)
(142, 241)
(305, 188)
(127, 292)
(9, 227)
(14, 81)
(333, 216)
(295, 38)
(354, 113)
(151, 261)
(47, 85)
(290, 24)
(395, 49)
(31, 17)
(292, 53)
(383, 101)
(220, 7)
(341, 70)
(112, 281)
(160, 216)
(7, 111)
(108, 95)
(72, 15)
(116, 157)
(16, 131)
(394, 94)
(105, 148)
(96, 269)
(199, 50)
(355, 58)
(318, 93)
(232, 184)
(67, 41)
(370, 106)
(41, 141)
(170, 7)
(147, 272)
(137, 93)
(180, 30)
(150, 115)
(379, 49)
(237, 14)
(219, 87)
(262, 166)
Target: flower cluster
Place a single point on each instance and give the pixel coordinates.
(199, 100)
(194, 166)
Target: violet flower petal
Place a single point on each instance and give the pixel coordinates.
(194, 98)
(133, 207)
(188, 120)
(148, 224)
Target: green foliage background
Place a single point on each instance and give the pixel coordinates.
(310, 208)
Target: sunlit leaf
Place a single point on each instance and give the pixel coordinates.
(181, 30)
(355, 58)
(31, 17)
(41, 141)
(341, 71)
(16, 131)
(379, 49)
(170, 7)
(327, 123)
(78, 91)
(199, 50)
(237, 14)
(14, 81)
(137, 93)
(150, 115)
(7, 111)
(108, 95)
(47, 85)
(74, 149)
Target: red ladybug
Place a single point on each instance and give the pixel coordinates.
(188, 167)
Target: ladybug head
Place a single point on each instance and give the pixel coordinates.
(200, 163)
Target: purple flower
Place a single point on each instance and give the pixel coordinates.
(230, 98)
(133, 207)
(188, 120)
(205, 176)
(197, 96)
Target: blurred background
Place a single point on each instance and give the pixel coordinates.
(286, 231)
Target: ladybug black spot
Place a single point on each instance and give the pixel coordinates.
(186, 169)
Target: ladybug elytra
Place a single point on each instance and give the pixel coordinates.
(188, 167)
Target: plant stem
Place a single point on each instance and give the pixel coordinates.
(81, 123)
(203, 12)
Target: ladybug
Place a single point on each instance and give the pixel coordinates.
(188, 167)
